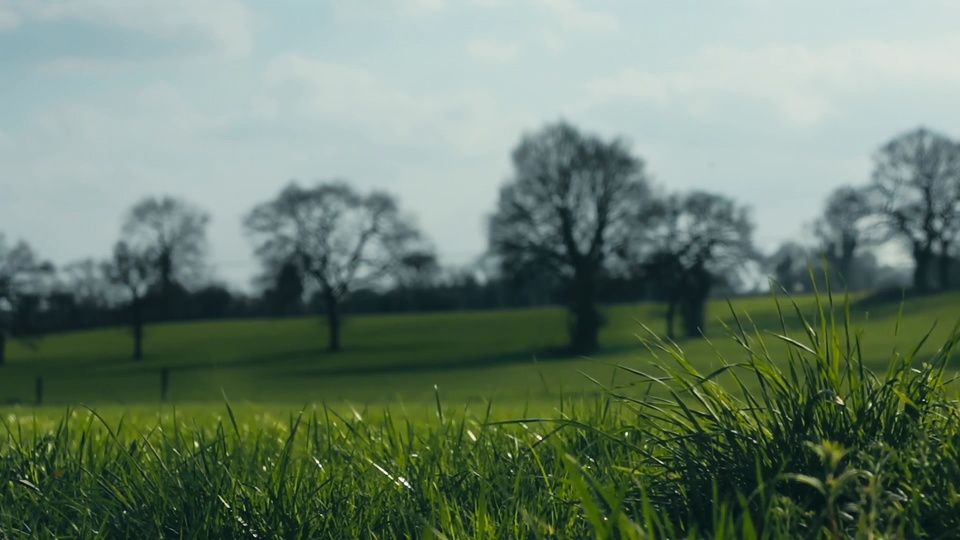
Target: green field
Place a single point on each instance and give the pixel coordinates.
(833, 435)
(507, 356)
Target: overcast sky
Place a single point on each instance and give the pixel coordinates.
(222, 102)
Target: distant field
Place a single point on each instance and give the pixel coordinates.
(509, 356)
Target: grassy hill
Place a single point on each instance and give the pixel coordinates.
(510, 355)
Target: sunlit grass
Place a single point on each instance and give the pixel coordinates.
(790, 433)
(500, 355)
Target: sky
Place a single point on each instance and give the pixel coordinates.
(224, 102)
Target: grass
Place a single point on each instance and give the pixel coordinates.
(508, 356)
(791, 434)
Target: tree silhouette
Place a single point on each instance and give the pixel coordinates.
(134, 272)
(20, 272)
(698, 239)
(916, 190)
(845, 227)
(789, 266)
(341, 239)
(572, 206)
(171, 233)
(285, 295)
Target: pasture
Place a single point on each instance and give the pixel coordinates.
(832, 435)
(510, 356)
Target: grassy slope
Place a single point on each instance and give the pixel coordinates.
(467, 355)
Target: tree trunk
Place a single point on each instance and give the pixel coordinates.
(671, 313)
(944, 266)
(136, 308)
(921, 270)
(165, 263)
(333, 320)
(586, 318)
(3, 347)
(848, 248)
(695, 304)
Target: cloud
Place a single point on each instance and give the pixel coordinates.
(9, 17)
(423, 5)
(804, 84)
(222, 28)
(574, 17)
(375, 9)
(489, 50)
(311, 88)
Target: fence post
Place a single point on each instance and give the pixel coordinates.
(38, 391)
(164, 384)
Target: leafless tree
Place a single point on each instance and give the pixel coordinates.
(171, 232)
(85, 280)
(916, 189)
(135, 272)
(20, 274)
(341, 239)
(698, 239)
(847, 224)
(790, 266)
(572, 206)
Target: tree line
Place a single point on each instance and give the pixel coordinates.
(578, 223)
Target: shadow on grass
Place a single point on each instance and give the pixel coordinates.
(544, 355)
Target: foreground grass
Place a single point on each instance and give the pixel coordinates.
(507, 356)
(819, 445)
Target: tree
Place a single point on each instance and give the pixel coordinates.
(135, 272)
(916, 190)
(416, 272)
(698, 239)
(285, 295)
(20, 272)
(572, 206)
(845, 226)
(339, 238)
(789, 266)
(171, 233)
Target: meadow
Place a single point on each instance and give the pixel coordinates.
(443, 426)
(510, 356)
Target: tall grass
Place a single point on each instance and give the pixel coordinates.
(792, 437)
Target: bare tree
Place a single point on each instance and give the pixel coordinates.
(283, 288)
(85, 280)
(699, 239)
(341, 239)
(916, 189)
(134, 272)
(172, 234)
(790, 266)
(845, 226)
(572, 206)
(20, 273)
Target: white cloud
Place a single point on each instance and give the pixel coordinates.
(225, 27)
(804, 84)
(305, 87)
(9, 18)
(375, 9)
(571, 15)
(490, 50)
(423, 5)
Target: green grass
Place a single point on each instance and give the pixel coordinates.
(502, 355)
(795, 436)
